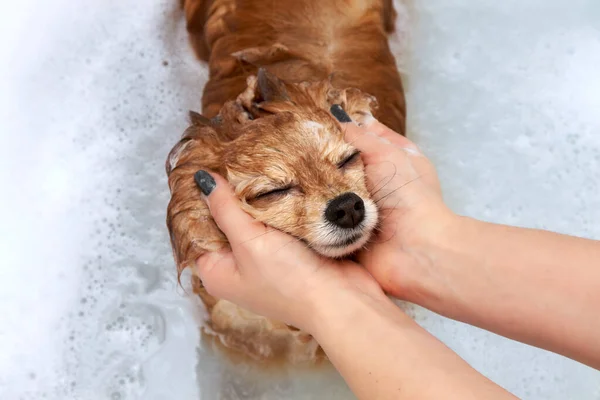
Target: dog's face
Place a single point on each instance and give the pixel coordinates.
(295, 173)
(285, 155)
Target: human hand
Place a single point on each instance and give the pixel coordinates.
(269, 272)
(413, 216)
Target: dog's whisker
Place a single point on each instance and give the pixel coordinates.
(392, 176)
(398, 188)
(382, 186)
(267, 231)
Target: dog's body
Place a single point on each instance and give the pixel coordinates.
(298, 41)
(276, 68)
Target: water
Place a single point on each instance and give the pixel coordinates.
(503, 96)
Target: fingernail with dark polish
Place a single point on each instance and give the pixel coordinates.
(205, 182)
(339, 113)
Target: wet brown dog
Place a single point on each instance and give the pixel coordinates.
(276, 69)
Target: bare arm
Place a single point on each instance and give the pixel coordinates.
(533, 286)
(383, 354)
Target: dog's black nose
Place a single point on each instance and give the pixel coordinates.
(346, 210)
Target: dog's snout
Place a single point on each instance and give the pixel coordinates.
(346, 210)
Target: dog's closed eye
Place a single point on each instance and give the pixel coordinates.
(275, 193)
(349, 160)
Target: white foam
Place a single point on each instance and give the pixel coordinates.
(503, 96)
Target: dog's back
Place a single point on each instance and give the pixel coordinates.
(298, 40)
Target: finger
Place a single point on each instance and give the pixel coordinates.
(383, 131)
(373, 127)
(378, 139)
(219, 274)
(363, 140)
(375, 146)
(225, 209)
(353, 134)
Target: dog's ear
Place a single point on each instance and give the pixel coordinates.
(265, 94)
(269, 88)
(198, 119)
(192, 229)
(200, 145)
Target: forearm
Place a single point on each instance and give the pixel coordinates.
(383, 354)
(533, 286)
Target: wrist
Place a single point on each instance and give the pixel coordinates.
(436, 256)
(338, 311)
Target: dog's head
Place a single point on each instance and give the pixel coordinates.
(285, 155)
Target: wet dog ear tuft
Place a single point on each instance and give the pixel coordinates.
(270, 88)
(199, 119)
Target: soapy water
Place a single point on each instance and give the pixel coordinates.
(502, 96)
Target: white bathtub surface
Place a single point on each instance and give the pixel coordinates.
(503, 95)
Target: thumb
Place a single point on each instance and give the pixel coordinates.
(363, 140)
(376, 128)
(386, 269)
(225, 209)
